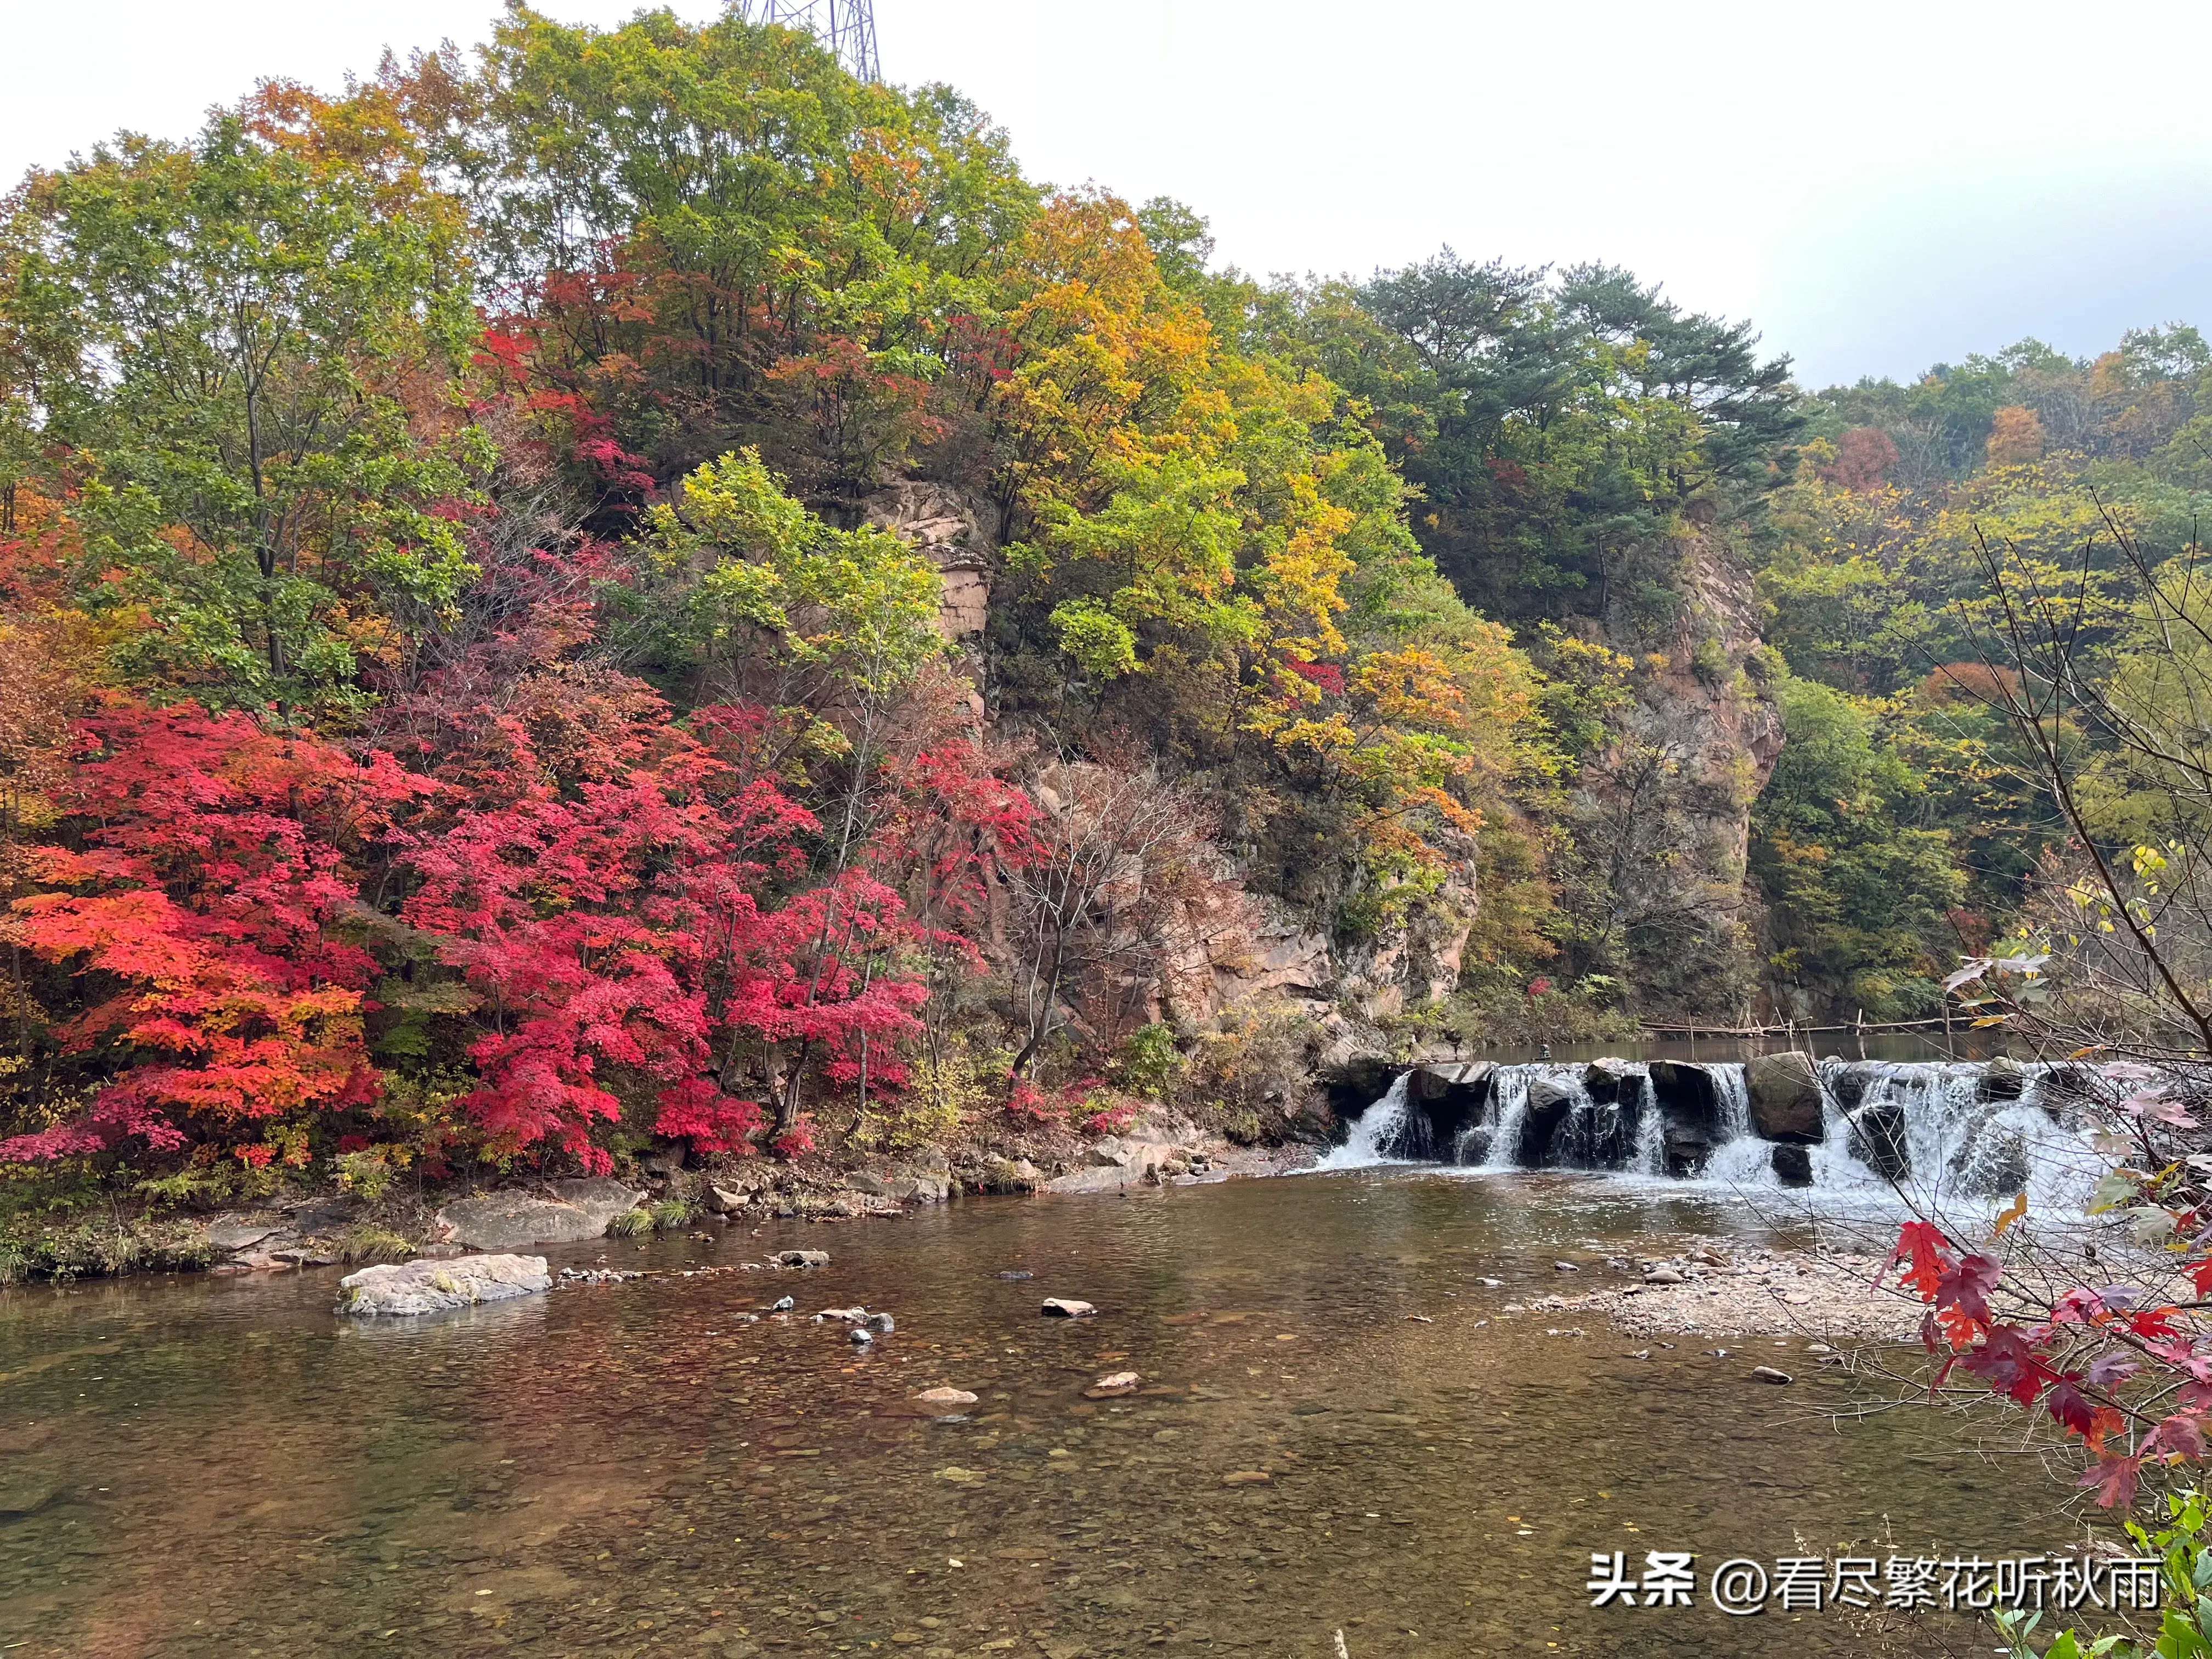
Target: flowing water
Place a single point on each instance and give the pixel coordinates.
(1926, 1132)
(221, 1467)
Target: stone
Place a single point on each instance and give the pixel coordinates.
(949, 1398)
(724, 1200)
(1061, 1308)
(1785, 1097)
(1016, 1273)
(1768, 1374)
(783, 1304)
(1878, 1139)
(861, 1337)
(802, 1258)
(1662, 1276)
(508, 1221)
(1245, 1478)
(422, 1287)
(1566, 1266)
(1793, 1166)
(2003, 1078)
(233, 1233)
(864, 1180)
(882, 1324)
(1112, 1385)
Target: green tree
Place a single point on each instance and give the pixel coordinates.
(241, 356)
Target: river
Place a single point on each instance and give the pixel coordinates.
(219, 1465)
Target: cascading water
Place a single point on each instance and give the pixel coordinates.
(1943, 1131)
(1376, 1132)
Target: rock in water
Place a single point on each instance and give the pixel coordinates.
(1057, 1307)
(1793, 1166)
(1785, 1097)
(1118, 1382)
(948, 1398)
(802, 1258)
(422, 1287)
(882, 1324)
(1879, 1138)
(1768, 1374)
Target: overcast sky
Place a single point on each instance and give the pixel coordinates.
(1878, 186)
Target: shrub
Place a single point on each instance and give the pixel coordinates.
(631, 1223)
(670, 1212)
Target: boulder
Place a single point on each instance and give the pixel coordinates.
(2002, 1079)
(422, 1286)
(231, 1233)
(1878, 1139)
(1785, 1097)
(1012, 1175)
(1550, 1100)
(507, 1221)
(802, 1258)
(1852, 1084)
(724, 1200)
(1793, 1166)
(866, 1180)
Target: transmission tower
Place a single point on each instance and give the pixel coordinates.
(848, 28)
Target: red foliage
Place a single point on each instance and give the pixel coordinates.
(207, 908)
(1326, 675)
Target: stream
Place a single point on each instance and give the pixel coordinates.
(211, 1466)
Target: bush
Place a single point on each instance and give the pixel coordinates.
(631, 1223)
(670, 1212)
(2186, 1624)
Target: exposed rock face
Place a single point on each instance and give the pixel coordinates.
(507, 1221)
(1785, 1097)
(1669, 810)
(422, 1287)
(955, 529)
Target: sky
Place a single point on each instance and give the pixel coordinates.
(1878, 186)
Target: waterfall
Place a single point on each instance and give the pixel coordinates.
(1948, 1131)
(1377, 1130)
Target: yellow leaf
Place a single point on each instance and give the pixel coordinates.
(1989, 1020)
(2012, 1212)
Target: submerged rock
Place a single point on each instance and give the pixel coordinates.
(1057, 1307)
(1785, 1097)
(948, 1398)
(1768, 1374)
(1793, 1166)
(802, 1258)
(422, 1287)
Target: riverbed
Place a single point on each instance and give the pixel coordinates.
(1338, 1427)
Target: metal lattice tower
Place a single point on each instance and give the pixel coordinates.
(848, 28)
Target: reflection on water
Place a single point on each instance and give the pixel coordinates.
(222, 1466)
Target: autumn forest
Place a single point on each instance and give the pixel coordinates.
(636, 588)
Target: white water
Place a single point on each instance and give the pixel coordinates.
(1379, 1126)
(1957, 1146)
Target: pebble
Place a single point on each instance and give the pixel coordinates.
(882, 1324)
(1056, 1307)
(1016, 1275)
(1566, 1266)
(1768, 1374)
(862, 1339)
(1116, 1382)
(783, 1306)
(944, 1397)
(1493, 1284)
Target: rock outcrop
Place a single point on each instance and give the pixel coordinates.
(423, 1287)
(570, 1211)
